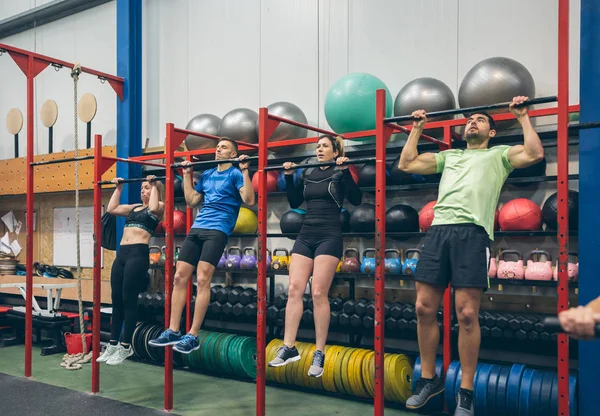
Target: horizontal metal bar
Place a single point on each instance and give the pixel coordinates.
(134, 161)
(320, 164)
(532, 101)
(583, 126)
(552, 324)
(306, 126)
(422, 136)
(210, 162)
(69, 159)
(132, 180)
(212, 137)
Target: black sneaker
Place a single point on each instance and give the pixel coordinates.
(285, 356)
(425, 390)
(464, 403)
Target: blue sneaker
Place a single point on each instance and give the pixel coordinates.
(168, 337)
(187, 344)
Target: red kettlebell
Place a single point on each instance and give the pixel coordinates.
(510, 269)
(539, 269)
(493, 267)
(351, 263)
(572, 269)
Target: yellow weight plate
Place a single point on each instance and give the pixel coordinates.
(305, 378)
(358, 377)
(354, 383)
(401, 382)
(317, 382)
(337, 371)
(366, 374)
(389, 375)
(296, 370)
(344, 370)
(271, 372)
(328, 375)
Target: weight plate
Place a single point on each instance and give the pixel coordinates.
(207, 352)
(480, 386)
(330, 358)
(525, 393)
(366, 374)
(225, 353)
(135, 338)
(459, 382)
(299, 375)
(337, 374)
(451, 377)
(554, 395)
(534, 394)
(270, 354)
(404, 380)
(307, 363)
(417, 372)
(216, 353)
(247, 353)
(201, 359)
(155, 352)
(513, 387)
(351, 376)
(360, 380)
(500, 404)
(546, 393)
(390, 375)
(345, 380)
(572, 395)
(489, 404)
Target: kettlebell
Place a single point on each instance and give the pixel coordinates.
(572, 269)
(538, 269)
(493, 267)
(510, 269)
(176, 256)
(351, 263)
(368, 263)
(280, 262)
(163, 256)
(268, 259)
(393, 264)
(248, 259)
(338, 269)
(410, 264)
(222, 260)
(154, 255)
(233, 260)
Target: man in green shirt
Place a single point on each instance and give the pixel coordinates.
(456, 246)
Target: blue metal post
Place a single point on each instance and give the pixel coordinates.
(589, 199)
(129, 111)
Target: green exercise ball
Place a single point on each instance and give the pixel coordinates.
(350, 103)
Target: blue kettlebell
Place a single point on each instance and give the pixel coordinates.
(368, 263)
(222, 260)
(233, 260)
(393, 265)
(410, 264)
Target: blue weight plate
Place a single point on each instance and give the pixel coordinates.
(573, 408)
(439, 366)
(458, 382)
(451, 375)
(525, 393)
(534, 394)
(500, 405)
(546, 393)
(490, 399)
(513, 388)
(554, 395)
(416, 372)
(481, 387)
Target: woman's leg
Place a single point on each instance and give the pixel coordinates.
(116, 285)
(325, 266)
(300, 270)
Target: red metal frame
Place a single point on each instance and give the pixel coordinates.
(188, 300)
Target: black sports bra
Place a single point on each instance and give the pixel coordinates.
(143, 219)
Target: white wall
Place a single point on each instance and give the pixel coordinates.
(9, 8)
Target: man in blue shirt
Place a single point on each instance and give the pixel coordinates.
(223, 188)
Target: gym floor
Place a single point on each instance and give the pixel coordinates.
(136, 388)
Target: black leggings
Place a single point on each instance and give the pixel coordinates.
(128, 278)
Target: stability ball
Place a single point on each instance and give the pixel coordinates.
(286, 131)
(520, 214)
(350, 103)
(362, 219)
(291, 221)
(550, 211)
(203, 123)
(495, 80)
(240, 124)
(402, 219)
(246, 223)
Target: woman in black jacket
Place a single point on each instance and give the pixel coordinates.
(319, 245)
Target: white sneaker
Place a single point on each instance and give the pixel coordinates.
(121, 355)
(109, 351)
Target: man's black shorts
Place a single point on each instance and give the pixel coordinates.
(203, 245)
(458, 253)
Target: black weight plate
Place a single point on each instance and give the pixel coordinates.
(513, 388)
(490, 401)
(546, 393)
(481, 385)
(525, 393)
(500, 406)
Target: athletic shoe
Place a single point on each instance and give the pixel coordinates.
(464, 403)
(168, 337)
(425, 390)
(187, 344)
(109, 351)
(121, 355)
(316, 369)
(285, 356)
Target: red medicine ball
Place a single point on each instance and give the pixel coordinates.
(271, 181)
(179, 222)
(426, 216)
(520, 214)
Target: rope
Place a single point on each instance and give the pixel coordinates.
(75, 75)
(74, 361)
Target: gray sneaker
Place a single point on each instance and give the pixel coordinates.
(285, 356)
(316, 369)
(464, 403)
(425, 390)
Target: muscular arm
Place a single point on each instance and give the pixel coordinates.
(156, 207)
(192, 198)
(114, 207)
(410, 159)
(246, 191)
(531, 151)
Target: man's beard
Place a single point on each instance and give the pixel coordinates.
(474, 137)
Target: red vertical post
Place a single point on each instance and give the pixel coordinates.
(188, 299)
(169, 208)
(97, 262)
(562, 151)
(261, 283)
(29, 222)
(382, 134)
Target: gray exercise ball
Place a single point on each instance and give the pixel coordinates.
(495, 80)
(203, 123)
(286, 131)
(240, 124)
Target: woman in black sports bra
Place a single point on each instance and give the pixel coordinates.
(319, 245)
(130, 268)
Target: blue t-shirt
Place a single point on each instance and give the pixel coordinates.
(222, 200)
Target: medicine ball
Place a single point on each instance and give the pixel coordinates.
(520, 214)
(366, 176)
(550, 211)
(345, 220)
(271, 181)
(179, 226)
(291, 221)
(539, 169)
(397, 176)
(362, 219)
(401, 219)
(426, 216)
(246, 223)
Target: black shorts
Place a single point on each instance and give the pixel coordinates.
(312, 247)
(203, 245)
(455, 253)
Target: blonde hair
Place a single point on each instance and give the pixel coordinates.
(337, 143)
(160, 187)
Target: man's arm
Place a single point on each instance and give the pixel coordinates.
(410, 159)
(531, 151)
(246, 191)
(192, 198)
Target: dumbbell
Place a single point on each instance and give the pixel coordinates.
(148, 299)
(272, 312)
(402, 324)
(216, 307)
(508, 333)
(545, 336)
(227, 308)
(412, 325)
(528, 322)
(515, 323)
(496, 332)
(348, 307)
(361, 307)
(355, 320)
(250, 309)
(521, 335)
(213, 292)
(140, 300)
(503, 320)
(281, 314)
(222, 294)
(490, 319)
(307, 316)
(248, 296)
(391, 323)
(280, 300)
(336, 304)
(408, 312)
(533, 336)
(368, 321)
(159, 298)
(485, 331)
(233, 296)
(334, 319)
(371, 309)
(539, 327)
(238, 309)
(344, 319)
(396, 311)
